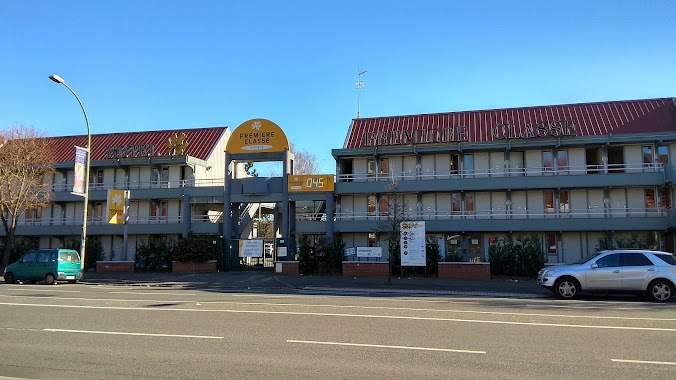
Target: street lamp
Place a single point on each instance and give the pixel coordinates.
(83, 240)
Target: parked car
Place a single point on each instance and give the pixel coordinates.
(652, 273)
(49, 265)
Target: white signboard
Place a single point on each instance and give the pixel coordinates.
(369, 252)
(412, 244)
(251, 248)
(281, 251)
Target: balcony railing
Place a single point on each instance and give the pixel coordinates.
(584, 213)
(421, 174)
(147, 185)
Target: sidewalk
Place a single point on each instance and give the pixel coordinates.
(269, 280)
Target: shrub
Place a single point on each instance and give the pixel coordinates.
(153, 256)
(523, 257)
(433, 255)
(307, 260)
(196, 248)
(331, 262)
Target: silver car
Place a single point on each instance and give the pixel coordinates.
(652, 273)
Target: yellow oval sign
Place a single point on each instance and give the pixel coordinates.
(257, 135)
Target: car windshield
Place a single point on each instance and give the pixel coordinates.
(584, 260)
(669, 259)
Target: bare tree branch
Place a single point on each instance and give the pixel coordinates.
(26, 172)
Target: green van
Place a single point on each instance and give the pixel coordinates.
(49, 265)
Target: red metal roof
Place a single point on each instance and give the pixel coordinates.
(585, 119)
(200, 142)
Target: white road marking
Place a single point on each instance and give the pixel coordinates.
(134, 334)
(153, 293)
(266, 295)
(414, 300)
(386, 346)
(363, 307)
(642, 362)
(349, 316)
(36, 289)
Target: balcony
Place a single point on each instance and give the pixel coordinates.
(591, 176)
(591, 219)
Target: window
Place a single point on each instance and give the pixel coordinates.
(371, 167)
(547, 161)
(96, 178)
(371, 200)
(562, 160)
(383, 167)
(663, 155)
(29, 257)
(647, 155)
(469, 203)
(33, 214)
(43, 256)
(549, 201)
(650, 199)
(665, 198)
(669, 259)
(455, 163)
(69, 257)
(372, 240)
(610, 261)
(615, 159)
(165, 175)
(564, 206)
(635, 260)
(468, 162)
(384, 204)
(551, 243)
(456, 203)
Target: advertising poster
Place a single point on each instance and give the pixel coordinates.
(79, 179)
(369, 251)
(413, 244)
(115, 205)
(251, 248)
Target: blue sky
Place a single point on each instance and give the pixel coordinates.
(153, 65)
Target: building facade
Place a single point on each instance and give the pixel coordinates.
(571, 175)
(174, 181)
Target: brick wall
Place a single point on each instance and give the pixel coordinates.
(290, 268)
(190, 267)
(114, 266)
(465, 271)
(365, 269)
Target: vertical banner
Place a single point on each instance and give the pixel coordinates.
(412, 244)
(116, 206)
(79, 177)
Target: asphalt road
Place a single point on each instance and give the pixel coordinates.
(123, 332)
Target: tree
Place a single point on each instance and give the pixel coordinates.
(26, 167)
(250, 170)
(305, 162)
(391, 224)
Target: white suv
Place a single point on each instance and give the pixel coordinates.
(652, 273)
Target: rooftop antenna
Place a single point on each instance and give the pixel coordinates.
(360, 86)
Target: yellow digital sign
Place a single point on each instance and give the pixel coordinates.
(311, 182)
(257, 135)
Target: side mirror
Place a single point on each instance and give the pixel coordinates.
(594, 266)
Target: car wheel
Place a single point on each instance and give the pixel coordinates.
(50, 279)
(660, 290)
(567, 288)
(9, 278)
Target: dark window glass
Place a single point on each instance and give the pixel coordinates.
(609, 261)
(43, 257)
(28, 258)
(635, 260)
(669, 259)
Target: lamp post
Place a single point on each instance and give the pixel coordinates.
(83, 240)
